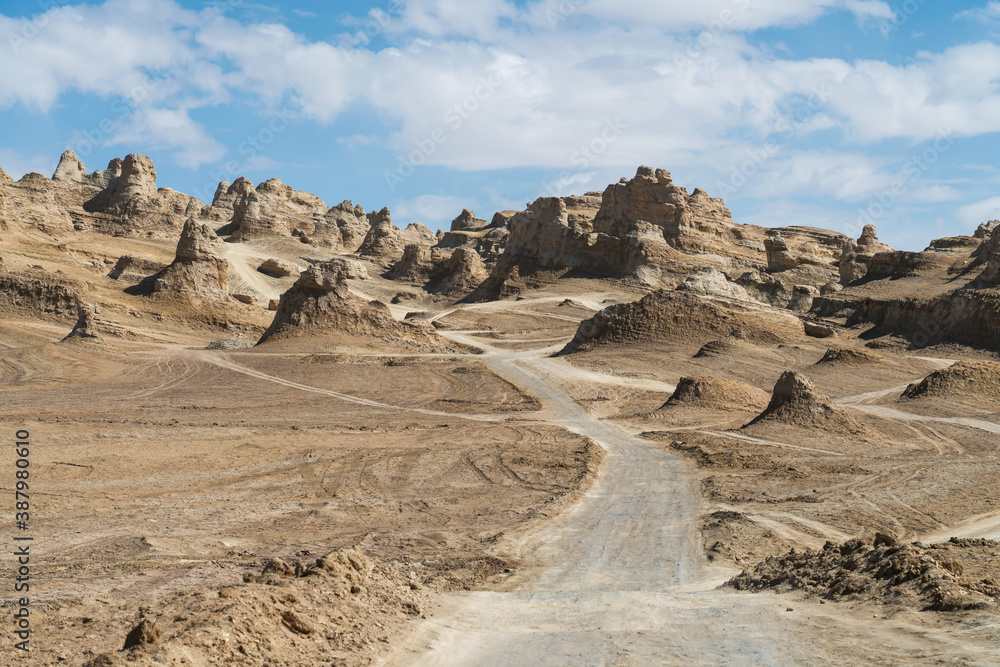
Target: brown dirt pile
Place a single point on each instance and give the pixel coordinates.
(972, 379)
(677, 316)
(848, 356)
(340, 609)
(886, 572)
(796, 401)
(717, 394)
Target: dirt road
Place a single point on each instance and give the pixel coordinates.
(618, 579)
(615, 567)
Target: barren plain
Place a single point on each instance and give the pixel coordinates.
(619, 428)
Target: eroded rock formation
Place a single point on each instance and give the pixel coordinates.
(795, 401)
(197, 267)
(321, 299)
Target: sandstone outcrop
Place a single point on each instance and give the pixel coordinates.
(415, 264)
(384, 241)
(321, 300)
(987, 256)
(130, 203)
(133, 190)
(70, 169)
(348, 268)
(34, 201)
(488, 239)
(38, 293)
(196, 267)
(344, 227)
(986, 228)
(278, 268)
(227, 195)
(467, 222)
(964, 317)
(273, 208)
(459, 274)
(712, 282)
(857, 256)
(651, 231)
(84, 327)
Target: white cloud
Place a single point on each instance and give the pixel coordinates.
(460, 17)
(17, 165)
(719, 15)
(843, 176)
(488, 85)
(950, 92)
(978, 212)
(170, 129)
(990, 12)
(260, 163)
(435, 211)
(937, 193)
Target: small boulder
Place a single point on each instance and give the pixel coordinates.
(278, 268)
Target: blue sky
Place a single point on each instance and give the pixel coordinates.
(826, 113)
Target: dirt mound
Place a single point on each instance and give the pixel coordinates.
(795, 401)
(887, 572)
(717, 394)
(848, 356)
(340, 609)
(969, 379)
(737, 342)
(321, 299)
(670, 315)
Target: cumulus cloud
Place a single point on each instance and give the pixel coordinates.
(719, 15)
(981, 211)
(493, 84)
(990, 12)
(431, 210)
(17, 165)
(170, 129)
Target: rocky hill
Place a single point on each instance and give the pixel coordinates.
(321, 300)
(653, 232)
(646, 232)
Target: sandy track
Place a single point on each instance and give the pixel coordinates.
(223, 361)
(606, 581)
(618, 579)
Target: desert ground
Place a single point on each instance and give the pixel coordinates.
(576, 468)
